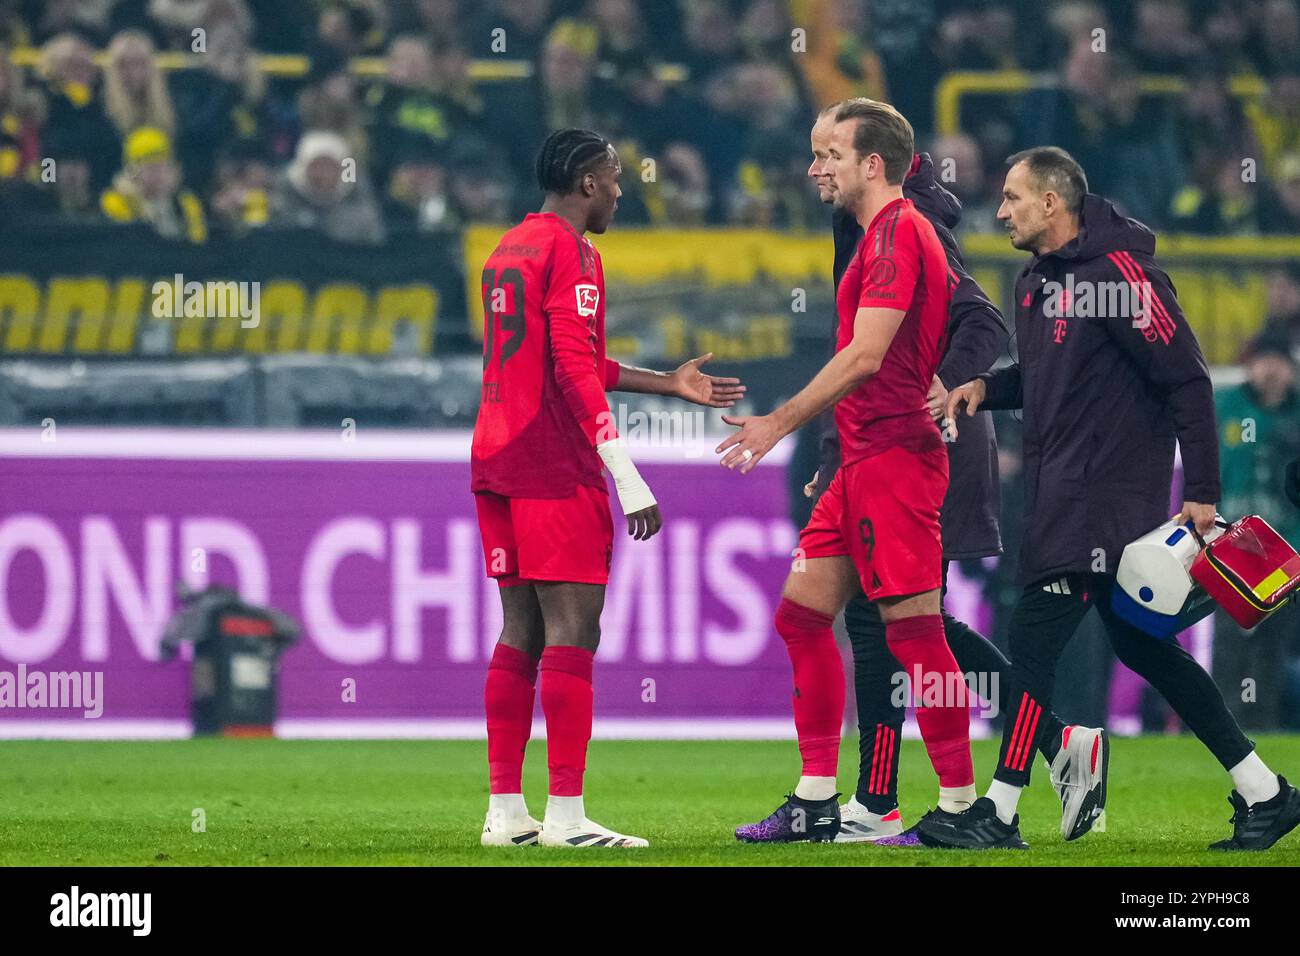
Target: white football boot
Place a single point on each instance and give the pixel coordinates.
(860, 825)
(566, 825)
(508, 824)
(1079, 777)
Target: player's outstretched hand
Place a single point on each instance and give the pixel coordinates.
(689, 383)
(969, 396)
(746, 448)
(645, 523)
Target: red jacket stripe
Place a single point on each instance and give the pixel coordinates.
(1164, 325)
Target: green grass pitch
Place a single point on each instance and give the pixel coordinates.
(277, 802)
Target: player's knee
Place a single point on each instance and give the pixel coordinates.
(910, 606)
(824, 584)
(795, 621)
(523, 631)
(527, 641)
(570, 633)
(915, 631)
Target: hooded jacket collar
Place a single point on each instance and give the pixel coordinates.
(931, 199)
(1103, 230)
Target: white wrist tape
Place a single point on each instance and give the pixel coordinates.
(633, 493)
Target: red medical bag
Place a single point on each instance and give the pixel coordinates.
(1250, 570)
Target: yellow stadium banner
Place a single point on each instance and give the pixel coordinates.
(754, 293)
(121, 291)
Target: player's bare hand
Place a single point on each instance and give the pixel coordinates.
(969, 396)
(1201, 515)
(645, 523)
(689, 383)
(937, 399)
(810, 489)
(746, 447)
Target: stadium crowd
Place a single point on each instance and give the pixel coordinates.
(716, 92)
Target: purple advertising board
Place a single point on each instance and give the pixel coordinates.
(370, 541)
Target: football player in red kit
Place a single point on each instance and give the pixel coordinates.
(877, 525)
(543, 432)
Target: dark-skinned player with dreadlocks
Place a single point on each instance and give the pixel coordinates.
(543, 437)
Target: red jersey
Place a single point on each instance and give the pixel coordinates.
(543, 407)
(899, 264)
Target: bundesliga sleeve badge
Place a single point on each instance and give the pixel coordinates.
(588, 299)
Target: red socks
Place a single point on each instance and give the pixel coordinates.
(919, 643)
(818, 685)
(508, 697)
(566, 702)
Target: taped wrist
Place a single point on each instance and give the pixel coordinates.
(633, 493)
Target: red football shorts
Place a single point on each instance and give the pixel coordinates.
(547, 539)
(883, 512)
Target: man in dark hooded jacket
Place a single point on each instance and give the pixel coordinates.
(977, 337)
(1109, 376)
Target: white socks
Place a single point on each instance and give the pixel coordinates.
(510, 804)
(956, 799)
(561, 811)
(1005, 797)
(1254, 781)
(815, 788)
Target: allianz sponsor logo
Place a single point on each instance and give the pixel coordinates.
(74, 908)
(53, 690)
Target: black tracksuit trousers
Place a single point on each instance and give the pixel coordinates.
(1044, 620)
(880, 718)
